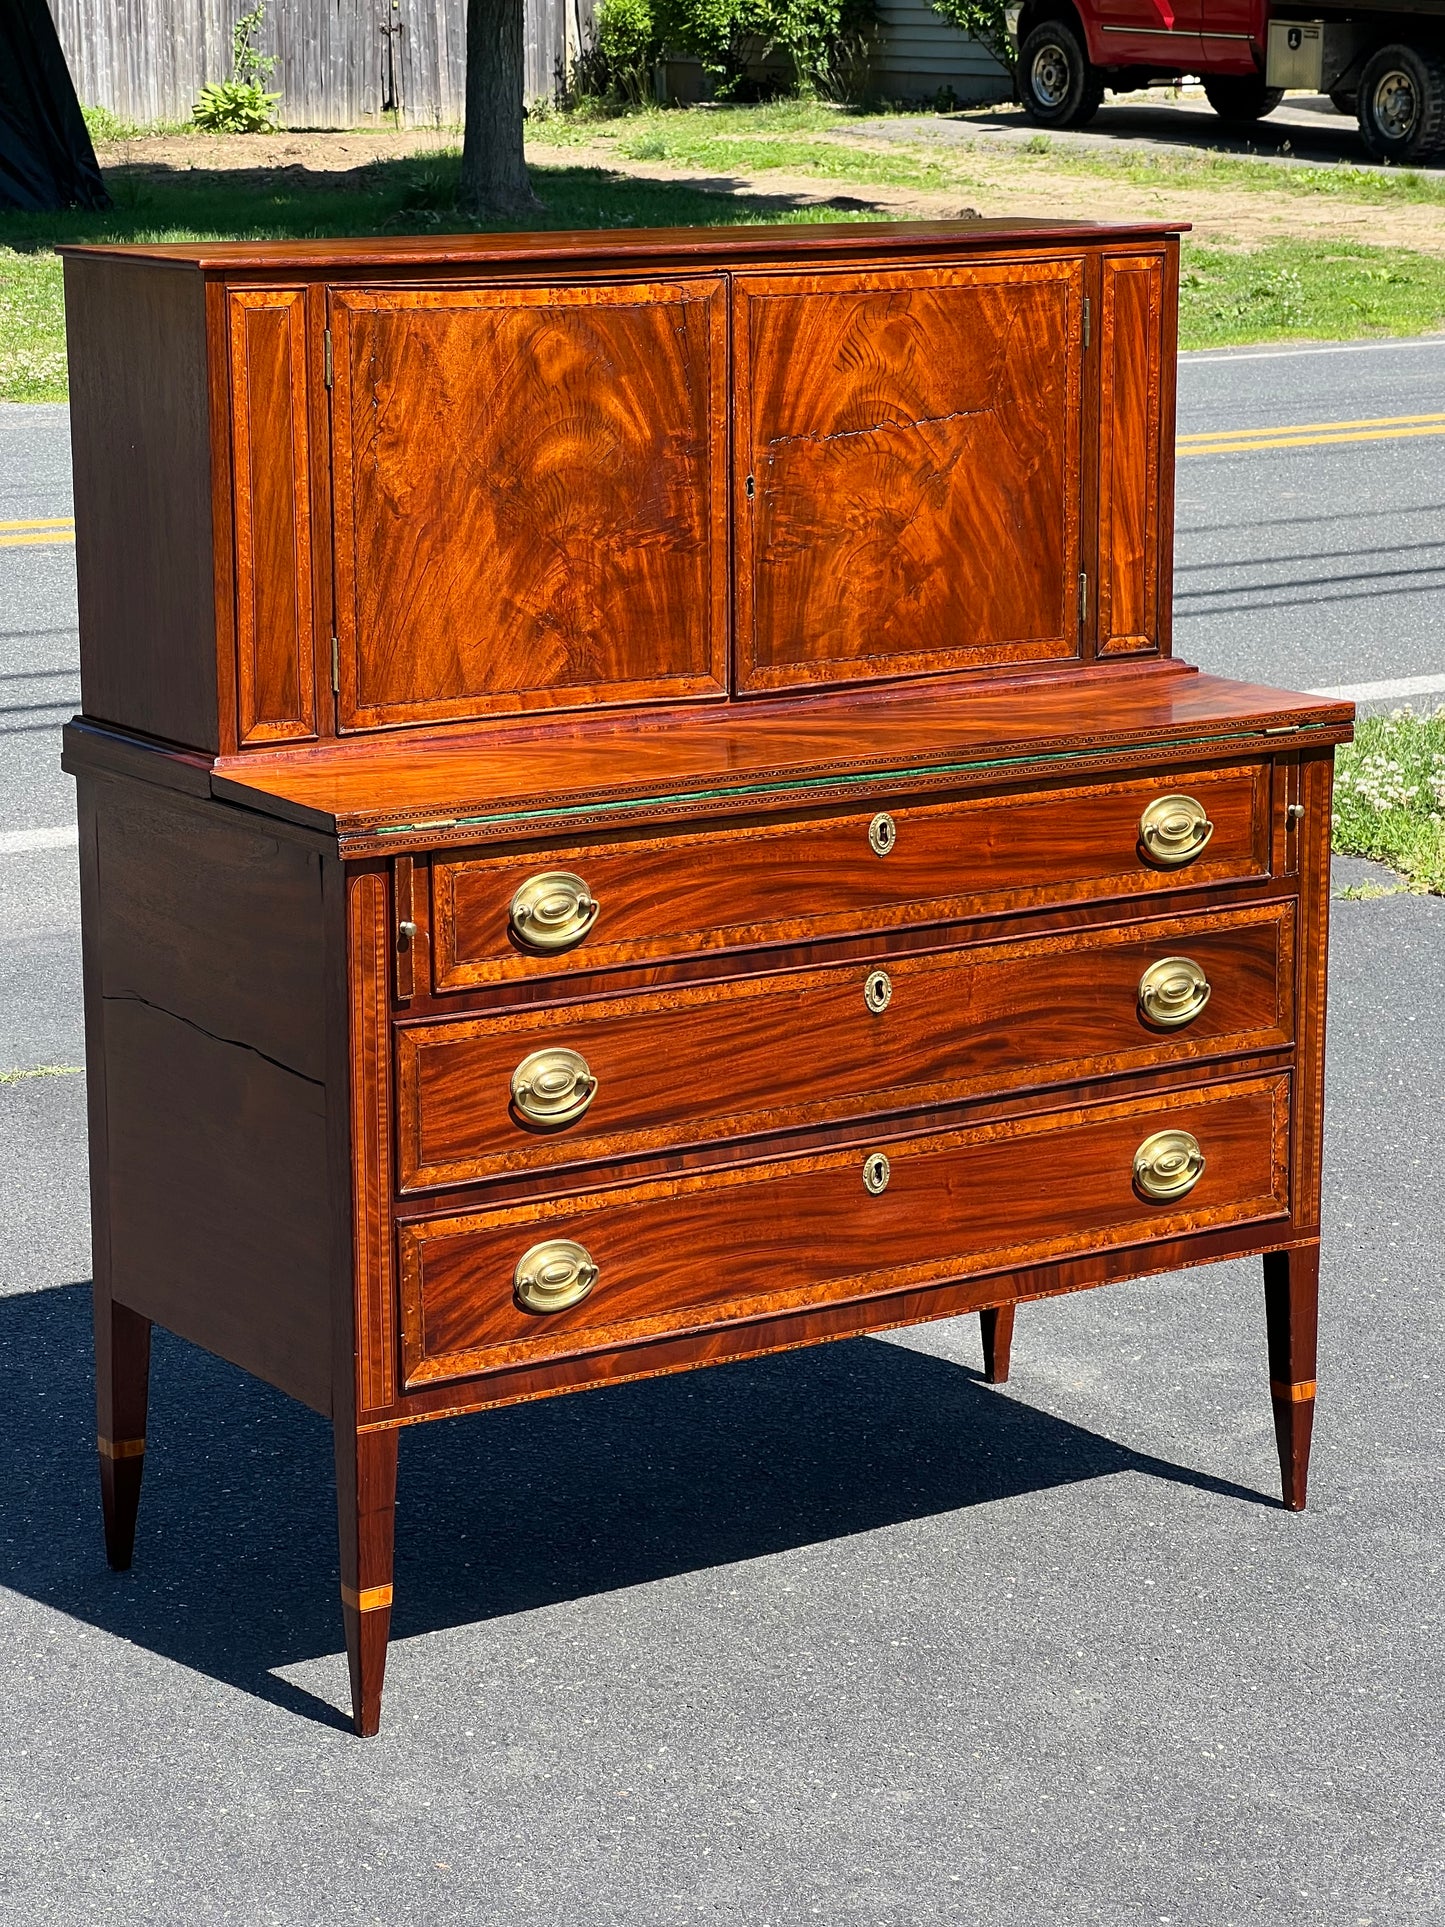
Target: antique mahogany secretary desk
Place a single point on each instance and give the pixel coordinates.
(636, 810)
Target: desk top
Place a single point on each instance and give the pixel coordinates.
(406, 789)
(633, 246)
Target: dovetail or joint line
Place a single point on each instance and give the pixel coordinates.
(1299, 1392)
(370, 1599)
(120, 1448)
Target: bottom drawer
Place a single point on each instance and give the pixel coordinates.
(717, 1247)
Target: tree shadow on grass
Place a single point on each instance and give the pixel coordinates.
(410, 194)
(235, 1565)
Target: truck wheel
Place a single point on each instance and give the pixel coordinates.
(1401, 104)
(1057, 85)
(1241, 96)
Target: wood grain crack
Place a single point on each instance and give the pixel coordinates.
(133, 997)
(879, 428)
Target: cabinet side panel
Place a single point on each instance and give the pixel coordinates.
(217, 1176)
(206, 1002)
(1129, 454)
(213, 920)
(140, 444)
(273, 515)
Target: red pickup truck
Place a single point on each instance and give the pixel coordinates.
(1382, 60)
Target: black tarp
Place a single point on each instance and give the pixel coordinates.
(46, 159)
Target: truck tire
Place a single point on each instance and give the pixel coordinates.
(1241, 97)
(1401, 104)
(1057, 85)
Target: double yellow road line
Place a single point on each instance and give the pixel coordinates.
(1214, 441)
(28, 535)
(1244, 441)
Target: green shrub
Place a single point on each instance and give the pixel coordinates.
(241, 104)
(628, 49)
(983, 21)
(820, 46)
(235, 107)
(102, 125)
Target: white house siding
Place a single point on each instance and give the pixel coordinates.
(923, 55)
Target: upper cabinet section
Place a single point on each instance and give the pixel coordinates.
(325, 489)
(908, 453)
(529, 498)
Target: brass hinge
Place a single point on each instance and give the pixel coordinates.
(1283, 729)
(336, 665)
(329, 371)
(1083, 600)
(1088, 312)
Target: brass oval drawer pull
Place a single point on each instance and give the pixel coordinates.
(554, 1275)
(1174, 829)
(1173, 991)
(553, 1086)
(882, 833)
(877, 991)
(1168, 1165)
(553, 911)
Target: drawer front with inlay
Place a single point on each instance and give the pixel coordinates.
(486, 1290)
(641, 898)
(640, 1073)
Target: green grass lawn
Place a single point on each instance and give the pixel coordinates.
(753, 139)
(1281, 291)
(1390, 795)
(410, 196)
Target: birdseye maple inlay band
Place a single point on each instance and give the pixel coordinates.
(681, 835)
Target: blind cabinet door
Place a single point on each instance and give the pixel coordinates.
(907, 470)
(529, 491)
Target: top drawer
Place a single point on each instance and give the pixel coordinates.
(640, 899)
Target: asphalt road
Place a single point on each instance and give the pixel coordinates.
(844, 1636)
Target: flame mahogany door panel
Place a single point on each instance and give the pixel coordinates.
(529, 496)
(907, 471)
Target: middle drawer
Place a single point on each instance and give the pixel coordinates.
(638, 1074)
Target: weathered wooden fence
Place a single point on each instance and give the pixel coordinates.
(339, 63)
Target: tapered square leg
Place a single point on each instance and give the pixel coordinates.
(122, 1384)
(998, 1336)
(366, 1513)
(1291, 1304)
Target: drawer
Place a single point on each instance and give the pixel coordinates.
(647, 898)
(704, 1250)
(640, 1073)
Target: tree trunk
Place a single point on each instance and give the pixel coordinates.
(494, 172)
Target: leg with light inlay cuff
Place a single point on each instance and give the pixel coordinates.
(1291, 1303)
